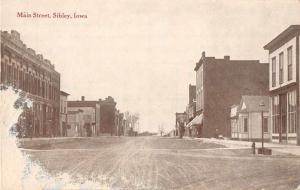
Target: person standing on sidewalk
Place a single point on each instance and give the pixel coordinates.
(253, 147)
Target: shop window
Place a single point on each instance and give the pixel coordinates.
(275, 114)
(292, 106)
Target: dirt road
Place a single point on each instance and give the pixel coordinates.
(166, 163)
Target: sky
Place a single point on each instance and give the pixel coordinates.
(143, 53)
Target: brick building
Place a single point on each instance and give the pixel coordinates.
(91, 115)
(191, 107)
(180, 122)
(37, 78)
(284, 53)
(220, 83)
(190, 129)
(107, 116)
(63, 113)
(75, 124)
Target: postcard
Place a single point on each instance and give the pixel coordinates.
(150, 94)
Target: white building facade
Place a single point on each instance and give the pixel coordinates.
(284, 85)
(63, 113)
(250, 119)
(90, 115)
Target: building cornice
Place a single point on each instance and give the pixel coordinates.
(20, 48)
(291, 30)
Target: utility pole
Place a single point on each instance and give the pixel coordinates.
(262, 105)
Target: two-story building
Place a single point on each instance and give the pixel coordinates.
(220, 83)
(284, 85)
(91, 115)
(37, 79)
(191, 111)
(107, 116)
(180, 123)
(191, 107)
(75, 127)
(63, 113)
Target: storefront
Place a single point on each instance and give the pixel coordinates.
(284, 110)
(194, 128)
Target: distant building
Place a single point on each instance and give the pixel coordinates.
(180, 122)
(107, 116)
(22, 68)
(75, 124)
(221, 83)
(131, 124)
(91, 115)
(191, 112)
(191, 107)
(247, 121)
(284, 85)
(119, 123)
(63, 119)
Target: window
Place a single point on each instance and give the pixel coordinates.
(275, 114)
(265, 124)
(61, 106)
(2, 72)
(9, 75)
(281, 62)
(199, 83)
(290, 62)
(292, 112)
(43, 89)
(245, 125)
(273, 71)
(26, 82)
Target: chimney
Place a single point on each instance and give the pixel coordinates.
(15, 34)
(82, 98)
(31, 51)
(203, 54)
(40, 56)
(226, 57)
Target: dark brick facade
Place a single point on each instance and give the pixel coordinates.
(191, 107)
(192, 93)
(107, 116)
(37, 78)
(224, 83)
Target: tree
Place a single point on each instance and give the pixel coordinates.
(161, 129)
(132, 122)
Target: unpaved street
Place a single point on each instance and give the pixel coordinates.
(167, 163)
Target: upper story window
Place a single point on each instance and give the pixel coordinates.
(245, 125)
(273, 71)
(61, 106)
(281, 62)
(265, 125)
(290, 62)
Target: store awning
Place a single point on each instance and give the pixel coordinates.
(196, 121)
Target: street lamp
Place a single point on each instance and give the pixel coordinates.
(262, 105)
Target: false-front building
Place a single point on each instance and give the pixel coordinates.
(22, 68)
(220, 83)
(284, 85)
